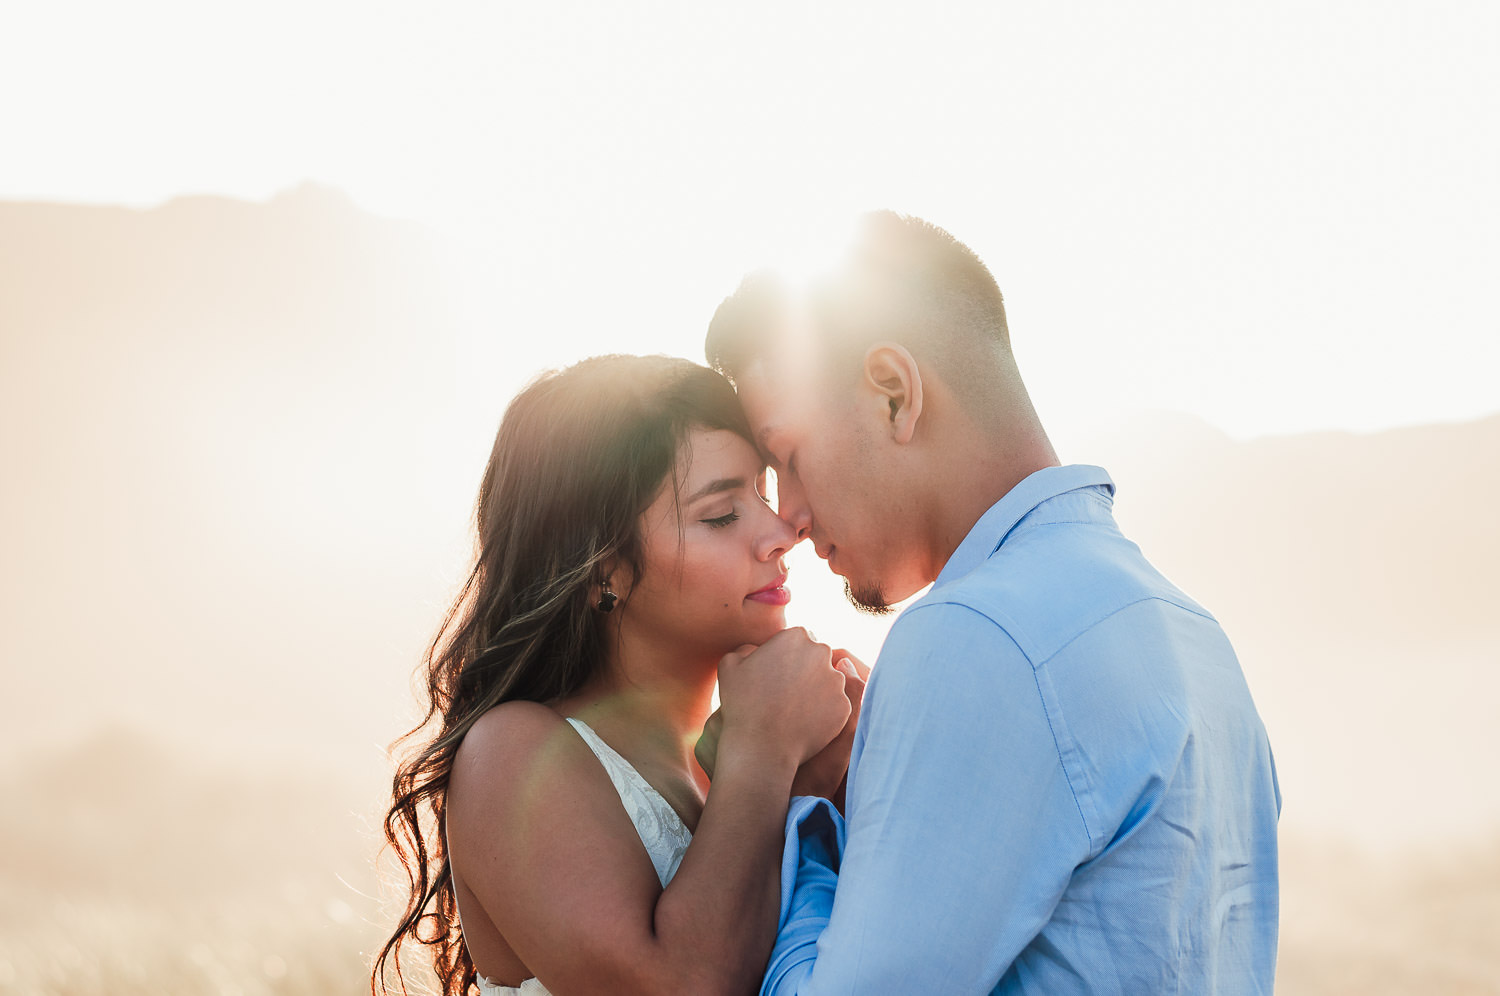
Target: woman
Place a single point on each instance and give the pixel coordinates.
(555, 828)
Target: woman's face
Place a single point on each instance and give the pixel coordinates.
(714, 574)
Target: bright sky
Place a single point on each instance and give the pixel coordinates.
(1277, 216)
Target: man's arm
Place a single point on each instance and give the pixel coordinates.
(963, 828)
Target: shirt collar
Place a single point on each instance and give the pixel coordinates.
(994, 525)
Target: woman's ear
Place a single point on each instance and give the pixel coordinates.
(891, 372)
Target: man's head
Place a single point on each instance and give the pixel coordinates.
(869, 389)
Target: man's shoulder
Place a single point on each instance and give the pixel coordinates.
(1049, 584)
(947, 618)
(936, 636)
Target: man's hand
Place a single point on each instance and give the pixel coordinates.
(824, 773)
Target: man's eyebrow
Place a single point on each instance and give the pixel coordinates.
(716, 487)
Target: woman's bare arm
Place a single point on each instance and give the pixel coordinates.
(552, 856)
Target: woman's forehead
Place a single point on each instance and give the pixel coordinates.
(706, 457)
(710, 454)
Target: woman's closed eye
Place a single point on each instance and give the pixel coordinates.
(721, 521)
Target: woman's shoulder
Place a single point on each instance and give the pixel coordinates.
(521, 772)
(514, 721)
(516, 738)
(518, 761)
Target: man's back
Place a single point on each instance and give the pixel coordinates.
(1167, 757)
(1059, 783)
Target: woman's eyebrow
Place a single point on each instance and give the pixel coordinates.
(716, 487)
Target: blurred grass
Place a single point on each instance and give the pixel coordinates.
(234, 947)
(126, 871)
(127, 868)
(1413, 922)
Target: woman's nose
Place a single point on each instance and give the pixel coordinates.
(792, 506)
(778, 538)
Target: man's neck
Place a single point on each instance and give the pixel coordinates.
(974, 478)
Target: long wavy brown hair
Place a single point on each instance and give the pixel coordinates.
(579, 456)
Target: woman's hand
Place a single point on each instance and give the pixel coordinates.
(782, 702)
(823, 774)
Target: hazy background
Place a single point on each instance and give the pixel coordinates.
(268, 276)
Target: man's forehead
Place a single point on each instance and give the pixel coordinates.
(768, 387)
(771, 400)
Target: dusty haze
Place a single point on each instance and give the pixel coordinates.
(240, 446)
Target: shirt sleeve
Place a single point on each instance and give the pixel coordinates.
(963, 828)
(809, 875)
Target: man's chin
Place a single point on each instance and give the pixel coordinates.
(868, 598)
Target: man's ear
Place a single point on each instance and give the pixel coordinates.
(892, 373)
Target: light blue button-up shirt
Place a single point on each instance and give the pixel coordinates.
(1059, 783)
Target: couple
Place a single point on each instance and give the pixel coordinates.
(1054, 782)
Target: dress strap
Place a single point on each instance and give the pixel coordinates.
(660, 828)
(612, 760)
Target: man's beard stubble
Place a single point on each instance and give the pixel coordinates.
(867, 598)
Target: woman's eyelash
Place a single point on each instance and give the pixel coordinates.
(722, 520)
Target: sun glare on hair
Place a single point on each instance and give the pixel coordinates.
(815, 254)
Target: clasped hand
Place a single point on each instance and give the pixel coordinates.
(802, 695)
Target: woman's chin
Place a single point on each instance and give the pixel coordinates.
(773, 623)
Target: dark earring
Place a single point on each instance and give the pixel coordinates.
(607, 598)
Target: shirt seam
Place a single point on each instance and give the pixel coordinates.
(1006, 626)
(1036, 678)
(1041, 699)
(1128, 605)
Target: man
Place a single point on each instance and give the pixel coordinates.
(1059, 783)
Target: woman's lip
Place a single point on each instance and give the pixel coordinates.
(771, 596)
(774, 593)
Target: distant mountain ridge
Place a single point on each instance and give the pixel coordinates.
(1399, 518)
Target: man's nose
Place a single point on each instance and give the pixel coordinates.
(792, 506)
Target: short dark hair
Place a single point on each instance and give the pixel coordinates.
(745, 320)
(904, 278)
